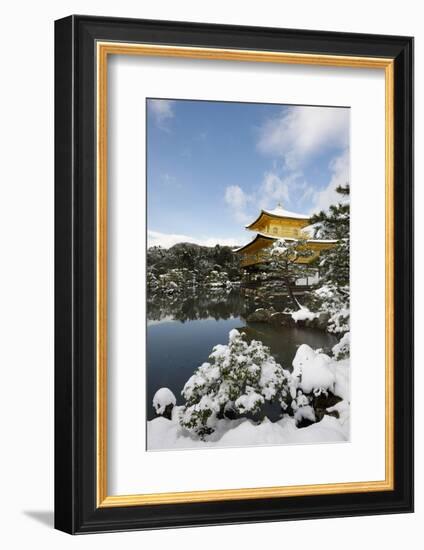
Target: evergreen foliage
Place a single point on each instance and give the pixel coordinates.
(237, 381)
(198, 259)
(335, 224)
(285, 254)
(334, 264)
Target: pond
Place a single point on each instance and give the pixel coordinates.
(182, 330)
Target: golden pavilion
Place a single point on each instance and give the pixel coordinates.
(275, 224)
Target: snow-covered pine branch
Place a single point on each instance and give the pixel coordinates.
(284, 256)
(238, 380)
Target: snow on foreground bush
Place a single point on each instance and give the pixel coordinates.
(163, 400)
(335, 300)
(316, 373)
(225, 399)
(342, 349)
(303, 314)
(238, 380)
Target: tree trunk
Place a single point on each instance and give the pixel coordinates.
(290, 293)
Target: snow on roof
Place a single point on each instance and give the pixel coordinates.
(279, 212)
(310, 229)
(282, 213)
(322, 240)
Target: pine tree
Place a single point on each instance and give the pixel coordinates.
(238, 379)
(335, 224)
(285, 255)
(334, 264)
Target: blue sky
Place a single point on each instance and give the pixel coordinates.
(211, 166)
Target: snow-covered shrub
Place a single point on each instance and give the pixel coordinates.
(341, 371)
(316, 374)
(238, 380)
(339, 321)
(304, 413)
(301, 400)
(302, 409)
(335, 301)
(251, 401)
(152, 281)
(312, 371)
(216, 279)
(174, 281)
(163, 402)
(342, 349)
(342, 410)
(303, 314)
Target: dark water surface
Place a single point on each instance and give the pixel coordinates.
(182, 331)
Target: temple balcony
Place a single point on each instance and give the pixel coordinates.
(263, 257)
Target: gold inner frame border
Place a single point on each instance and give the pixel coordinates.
(103, 50)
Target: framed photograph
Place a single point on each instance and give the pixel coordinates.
(234, 274)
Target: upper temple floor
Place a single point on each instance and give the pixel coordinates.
(280, 223)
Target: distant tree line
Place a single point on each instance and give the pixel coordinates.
(199, 259)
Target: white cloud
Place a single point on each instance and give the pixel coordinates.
(339, 168)
(237, 200)
(273, 189)
(166, 240)
(162, 111)
(300, 133)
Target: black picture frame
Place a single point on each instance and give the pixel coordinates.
(76, 510)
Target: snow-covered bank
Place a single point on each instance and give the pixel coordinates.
(224, 395)
(303, 314)
(163, 434)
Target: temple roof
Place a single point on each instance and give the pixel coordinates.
(258, 236)
(279, 212)
(272, 239)
(282, 213)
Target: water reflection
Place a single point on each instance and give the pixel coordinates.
(201, 304)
